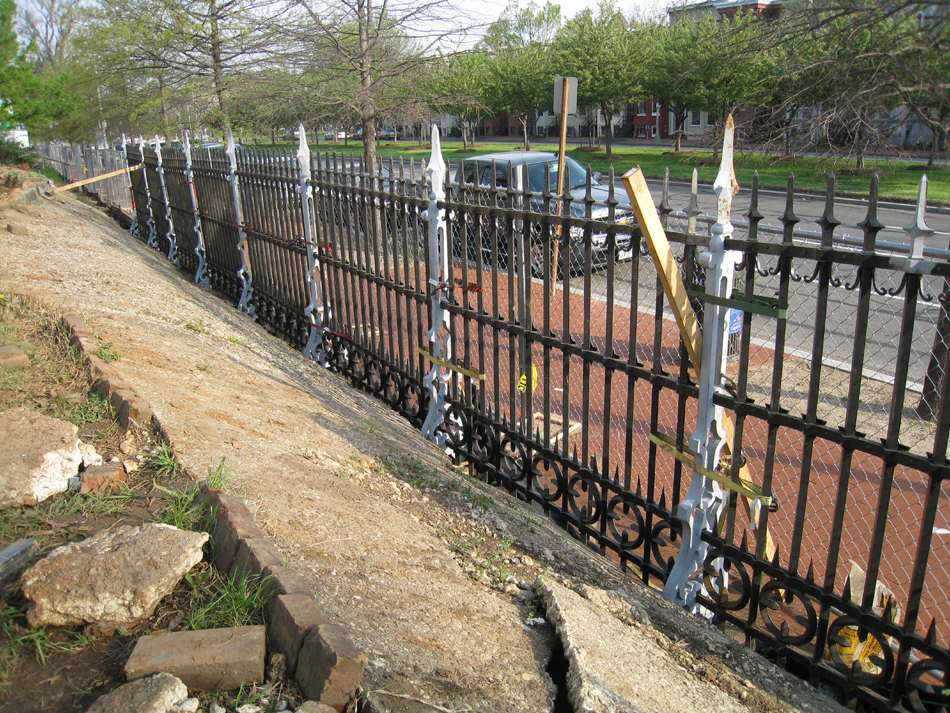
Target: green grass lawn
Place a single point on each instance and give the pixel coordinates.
(899, 182)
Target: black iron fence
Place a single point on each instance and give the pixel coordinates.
(568, 383)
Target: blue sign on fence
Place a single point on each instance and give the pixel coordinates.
(734, 320)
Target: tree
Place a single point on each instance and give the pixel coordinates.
(459, 88)
(26, 97)
(605, 55)
(520, 62)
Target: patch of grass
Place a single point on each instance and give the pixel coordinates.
(162, 462)
(107, 352)
(237, 340)
(220, 476)
(94, 409)
(219, 601)
(410, 470)
(199, 326)
(93, 504)
(19, 640)
(180, 509)
(203, 367)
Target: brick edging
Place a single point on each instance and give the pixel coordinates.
(326, 663)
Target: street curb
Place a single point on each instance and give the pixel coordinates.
(295, 618)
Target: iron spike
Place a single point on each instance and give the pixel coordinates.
(846, 595)
(593, 464)
(810, 575)
(871, 225)
(776, 561)
(663, 499)
(616, 474)
(931, 636)
(744, 544)
(639, 488)
(665, 200)
(788, 218)
(828, 222)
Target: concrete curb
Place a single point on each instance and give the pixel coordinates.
(295, 623)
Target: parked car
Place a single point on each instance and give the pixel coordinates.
(386, 135)
(332, 135)
(543, 168)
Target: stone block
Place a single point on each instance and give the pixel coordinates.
(78, 328)
(119, 396)
(108, 385)
(329, 666)
(18, 229)
(314, 707)
(12, 358)
(208, 660)
(293, 617)
(284, 580)
(134, 411)
(160, 693)
(99, 369)
(106, 478)
(252, 556)
(233, 522)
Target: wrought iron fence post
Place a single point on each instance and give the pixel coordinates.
(244, 272)
(315, 309)
(439, 334)
(151, 240)
(702, 507)
(201, 273)
(170, 233)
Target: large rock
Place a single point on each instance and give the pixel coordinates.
(38, 456)
(618, 668)
(161, 693)
(114, 579)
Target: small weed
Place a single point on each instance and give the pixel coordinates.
(237, 340)
(220, 476)
(180, 509)
(309, 454)
(356, 458)
(482, 501)
(163, 462)
(343, 474)
(373, 427)
(203, 367)
(107, 352)
(199, 326)
(222, 602)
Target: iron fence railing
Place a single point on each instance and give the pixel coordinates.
(533, 340)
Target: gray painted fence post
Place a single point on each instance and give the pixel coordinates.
(244, 272)
(439, 335)
(201, 274)
(316, 308)
(701, 508)
(170, 233)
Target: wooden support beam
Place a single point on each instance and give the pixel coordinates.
(86, 181)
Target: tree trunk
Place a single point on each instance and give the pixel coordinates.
(364, 16)
(217, 67)
(608, 129)
(524, 127)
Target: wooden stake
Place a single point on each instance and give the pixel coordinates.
(86, 181)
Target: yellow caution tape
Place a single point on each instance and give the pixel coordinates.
(523, 381)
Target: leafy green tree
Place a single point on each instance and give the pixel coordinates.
(521, 62)
(459, 87)
(606, 57)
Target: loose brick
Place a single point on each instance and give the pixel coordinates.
(78, 328)
(329, 666)
(18, 229)
(119, 396)
(105, 478)
(283, 580)
(13, 358)
(134, 411)
(232, 523)
(252, 556)
(293, 617)
(212, 659)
